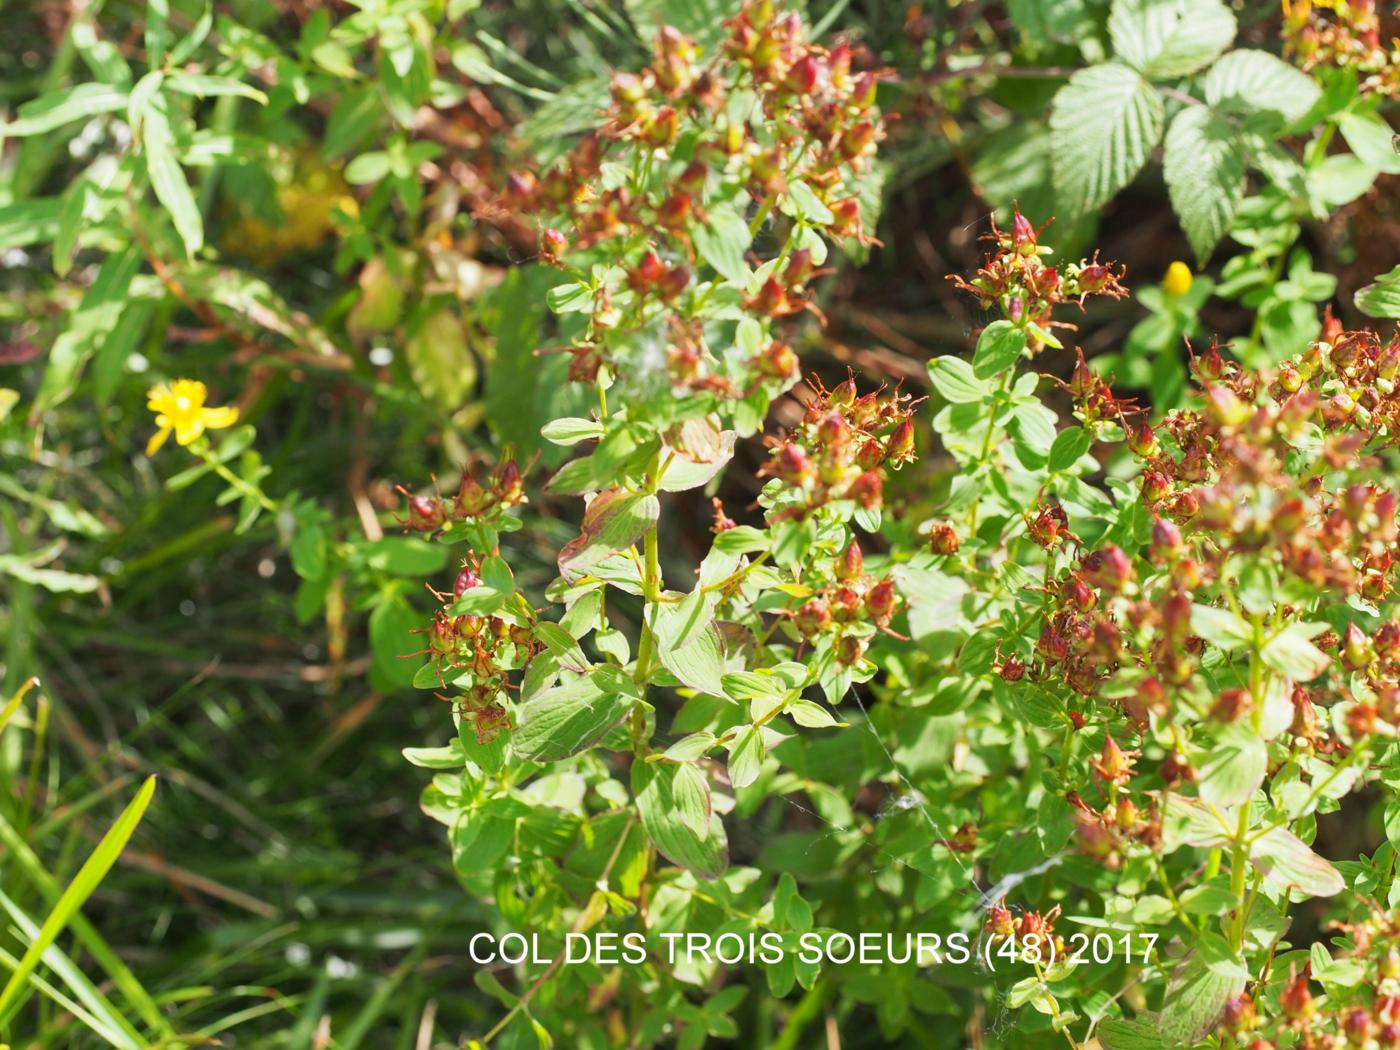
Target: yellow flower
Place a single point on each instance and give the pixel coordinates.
(179, 406)
(1178, 279)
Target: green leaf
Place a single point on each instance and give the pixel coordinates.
(699, 663)
(702, 19)
(1169, 38)
(722, 242)
(1104, 123)
(1195, 997)
(746, 756)
(1069, 447)
(1235, 768)
(391, 624)
(29, 221)
(167, 178)
(441, 361)
(157, 31)
(1220, 627)
(1371, 139)
(1287, 862)
(80, 102)
(692, 794)
(956, 381)
(571, 430)
(998, 348)
(652, 786)
(566, 720)
(203, 85)
(1255, 81)
(1381, 298)
(613, 521)
(1115, 1034)
(89, 876)
(1292, 653)
(1204, 166)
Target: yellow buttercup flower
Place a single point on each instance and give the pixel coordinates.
(1178, 279)
(179, 407)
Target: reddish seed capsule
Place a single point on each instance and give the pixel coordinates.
(851, 563)
(943, 539)
(900, 445)
(813, 617)
(880, 602)
(803, 75)
(1231, 706)
(1166, 537)
(1296, 1000)
(423, 507)
(553, 245)
(867, 490)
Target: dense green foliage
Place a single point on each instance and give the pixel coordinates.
(650, 477)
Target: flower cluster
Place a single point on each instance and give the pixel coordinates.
(1366, 1015)
(474, 502)
(842, 449)
(479, 651)
(1345, 34)
(845, 610)
(694, 156)
(1015, 279)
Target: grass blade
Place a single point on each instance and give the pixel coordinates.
(92, 872)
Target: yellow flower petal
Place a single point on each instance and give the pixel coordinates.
(218, 418)
(157, 439)
(188, 431)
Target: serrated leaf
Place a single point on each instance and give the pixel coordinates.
(1104, 123)
(1204, 166)
(1249, 81)
(998, 348)
(1169, 38)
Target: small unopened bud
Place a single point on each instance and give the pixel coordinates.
(1356, 648)
(466, 580)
